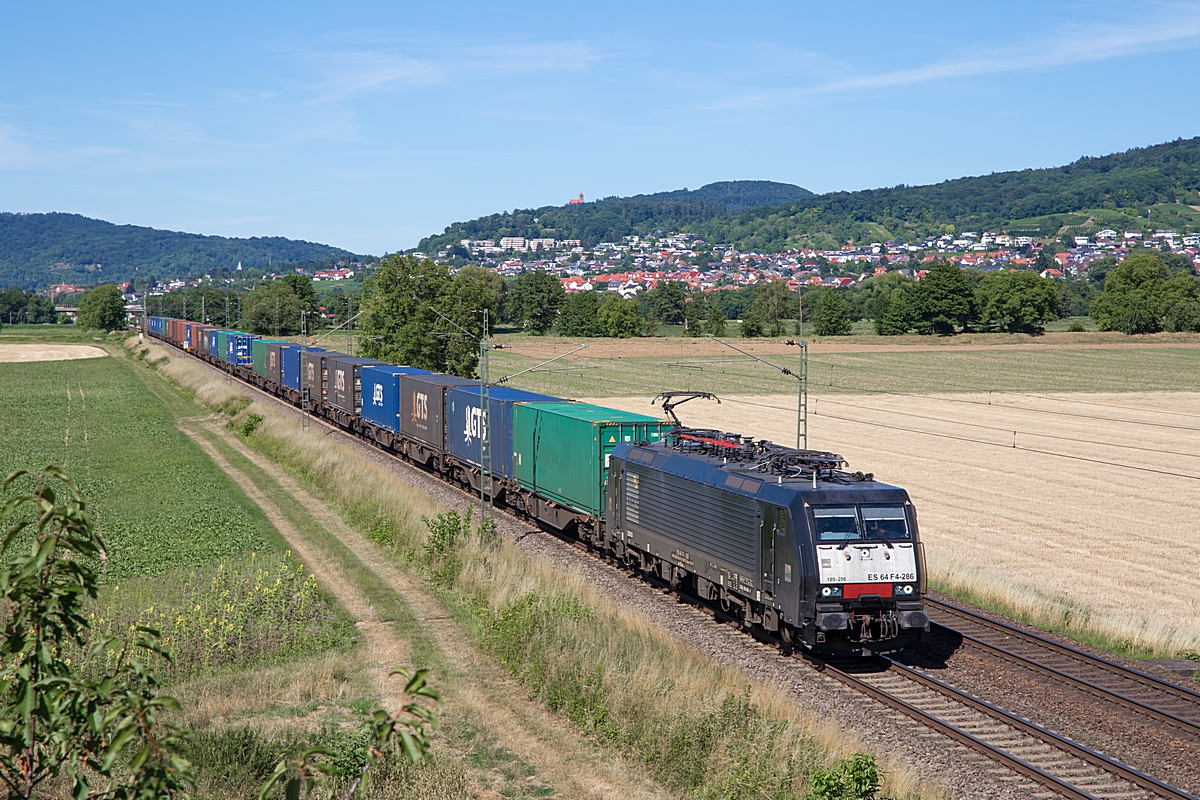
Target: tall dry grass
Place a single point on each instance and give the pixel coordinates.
(701, 727)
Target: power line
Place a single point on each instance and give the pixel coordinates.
(1016, 447)
(1074, 439)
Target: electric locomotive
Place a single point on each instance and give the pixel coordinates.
(786, 540)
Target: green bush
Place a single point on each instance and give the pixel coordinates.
(250, 424)
(856, 778)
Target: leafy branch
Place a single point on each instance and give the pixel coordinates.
(54, 722)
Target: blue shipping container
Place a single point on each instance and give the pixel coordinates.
(214, 343)
(239, 348)
(381, 394)
(465, 425)
(289, 365)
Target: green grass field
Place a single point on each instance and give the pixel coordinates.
(1159, 368)
(159, 501)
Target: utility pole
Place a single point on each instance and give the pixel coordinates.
(800, 293)
(485, 435)
(276, 317)
(201, 307)
(802, 399)
(303, 361)
(801, 376)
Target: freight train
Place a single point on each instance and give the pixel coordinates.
(787, 541)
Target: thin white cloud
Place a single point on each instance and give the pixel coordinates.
(1177, 27)
(17, 152)
(346, 72)
(1076, 45)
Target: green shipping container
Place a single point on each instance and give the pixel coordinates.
(561, 450)
(258, 354)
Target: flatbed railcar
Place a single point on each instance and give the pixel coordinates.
(788, 541)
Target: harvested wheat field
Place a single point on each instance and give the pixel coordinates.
(28, 353)
(1090, 524)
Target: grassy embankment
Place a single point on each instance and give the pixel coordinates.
(696, 727)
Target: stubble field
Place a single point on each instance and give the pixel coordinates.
(1090, 524)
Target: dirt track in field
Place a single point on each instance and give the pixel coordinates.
(29, 353)
(477, 690)
(1094, 512)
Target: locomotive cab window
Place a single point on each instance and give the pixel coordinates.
(836, 523)
(885, 522)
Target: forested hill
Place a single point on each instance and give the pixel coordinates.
(1159, 184)
(613, 217)
(38, 250)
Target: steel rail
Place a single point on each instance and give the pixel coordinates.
(1064, 788)
(1091, 757)
(1089, 660)
(1189, 728)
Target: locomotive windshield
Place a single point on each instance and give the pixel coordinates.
(885, 522)
(854, 523)
(836, 523)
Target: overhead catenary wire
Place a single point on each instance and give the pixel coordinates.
(941, 398)
(980, 426)
(1015, 446)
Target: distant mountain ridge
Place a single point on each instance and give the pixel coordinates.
(1141, 187)
(733, 195)
(38, 250)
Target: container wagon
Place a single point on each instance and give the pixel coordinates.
(561, 453)
(467, 426)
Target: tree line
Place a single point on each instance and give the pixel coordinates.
(18, 306)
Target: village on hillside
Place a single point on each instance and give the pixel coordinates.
(638, 263)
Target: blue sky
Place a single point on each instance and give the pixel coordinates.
(370, 125)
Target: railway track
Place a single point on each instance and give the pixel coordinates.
(1172, 708)
(1053, 765)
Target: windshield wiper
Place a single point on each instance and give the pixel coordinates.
(881, 538)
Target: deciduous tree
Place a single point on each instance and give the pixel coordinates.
(103, 308)
(1138, 293)
(580, 315)
(668, 299)
(829, 313)
(773, 304)
(619, 317)
(715, 321)
(942, 301)
(535, 300)
(400, 325)
(1017, 302)
(271, 309)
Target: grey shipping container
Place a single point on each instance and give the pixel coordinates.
(344, 389)
(318, 372)
(422, 399)
(275, 360)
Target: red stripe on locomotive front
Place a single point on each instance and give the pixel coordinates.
(851, 591)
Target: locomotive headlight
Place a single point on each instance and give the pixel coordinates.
(831, 591)
(902, 589)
